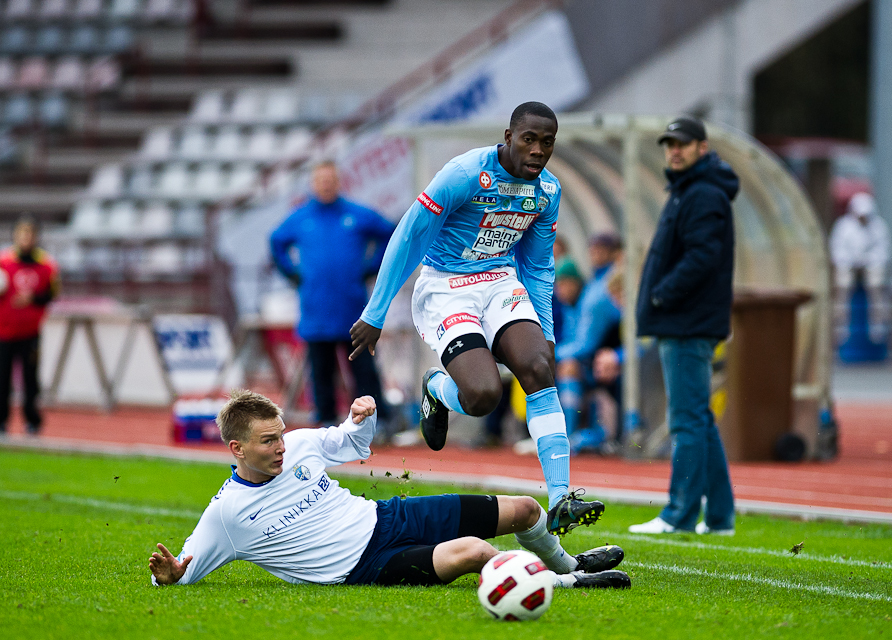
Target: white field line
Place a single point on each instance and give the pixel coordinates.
(771, 582)
(100, 504)
(670, 542)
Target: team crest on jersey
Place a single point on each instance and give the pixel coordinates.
(517, 296)
(548, 187)
(543, 203)
(485, 180)
(485, 199)
(301, 472)
(528, 204)
(516, 189)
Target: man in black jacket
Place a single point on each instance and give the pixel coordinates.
(685, 301)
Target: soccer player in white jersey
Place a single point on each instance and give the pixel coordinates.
(484, 230)
(281, 511)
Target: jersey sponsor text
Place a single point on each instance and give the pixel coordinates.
(475, 278)
(429, 204)
(516, 189)
(512, 220)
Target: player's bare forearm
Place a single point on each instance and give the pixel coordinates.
(166, 568)
(364, 336)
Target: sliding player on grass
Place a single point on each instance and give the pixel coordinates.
(281, 511)
(484, 230)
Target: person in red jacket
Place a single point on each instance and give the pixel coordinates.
(28, 281)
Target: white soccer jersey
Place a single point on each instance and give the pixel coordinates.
(300, 526)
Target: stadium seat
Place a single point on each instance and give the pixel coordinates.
(281, 107)
(103, 74)
(9, 149)
(158, 144)
(190, 222)
(228, 144)
(163, 259)
(53, 111)
(174, 181)
(7, 74)
(34, 73)
(68, 75)
(209, 108)
(156, 221)
(20, 10)
(209, 183)
(263, 145)
(122, 219)
(297, 143)
(242, 178)
(84, 40)
(107, 181)
(15, 40)
(194, 143)
(54, 10)
(70, 257)
(142, 182)
(88, 219)
(88, 9)
(50, 40)
(18, 111)
(247, 105)
(121, 10)
(171, 11)
(118, 40)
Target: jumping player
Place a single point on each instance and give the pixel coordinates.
(281, 511)
(484, 230)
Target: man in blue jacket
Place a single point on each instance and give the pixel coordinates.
(327, 248)
(685, 301)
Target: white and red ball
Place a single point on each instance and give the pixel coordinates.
(515, 585)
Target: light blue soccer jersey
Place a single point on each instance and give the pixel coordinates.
(474, 216)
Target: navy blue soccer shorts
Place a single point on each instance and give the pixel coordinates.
(402, 545)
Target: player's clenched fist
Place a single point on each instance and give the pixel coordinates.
(362, 408)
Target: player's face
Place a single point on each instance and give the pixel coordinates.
(681, 156)
(264, 452)
(530, 145)
(24, 237)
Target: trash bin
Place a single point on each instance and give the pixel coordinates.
(759, 383)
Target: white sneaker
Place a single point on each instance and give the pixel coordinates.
(526, 447)
(657, 525)
(702, 529)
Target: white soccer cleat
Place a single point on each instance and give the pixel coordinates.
(657, 525)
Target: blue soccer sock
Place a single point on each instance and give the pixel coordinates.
(545, 420)
(446, 391)
(570, 395)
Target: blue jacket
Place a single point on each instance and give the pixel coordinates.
(337, 245)
(687, 280)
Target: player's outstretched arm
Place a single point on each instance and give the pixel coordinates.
(362, 408)
(166, 568)
(364, 336)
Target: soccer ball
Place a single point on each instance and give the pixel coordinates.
(515, 585)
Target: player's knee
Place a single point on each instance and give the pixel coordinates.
(483, 399)
(536, 375)
(526, 512)
(476, 553)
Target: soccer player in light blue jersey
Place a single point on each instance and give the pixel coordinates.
(483, 231)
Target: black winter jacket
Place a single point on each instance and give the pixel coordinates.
(686, 283)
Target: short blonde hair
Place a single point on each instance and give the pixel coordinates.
(237, 416)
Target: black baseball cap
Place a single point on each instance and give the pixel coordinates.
(684, 129)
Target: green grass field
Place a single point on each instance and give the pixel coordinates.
(77, 532)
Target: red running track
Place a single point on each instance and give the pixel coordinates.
(860, 479)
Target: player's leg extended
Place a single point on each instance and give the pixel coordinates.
(522, 347)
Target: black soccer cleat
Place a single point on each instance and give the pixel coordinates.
(434, 415)
(570, 512)
(600, 559)
(602, 580)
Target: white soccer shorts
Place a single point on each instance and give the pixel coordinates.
(447, 305)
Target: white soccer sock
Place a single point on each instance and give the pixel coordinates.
(546, 546)
(565, 581)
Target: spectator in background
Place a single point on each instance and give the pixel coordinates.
(859, 246)
(587, 324)
(327, 248)
(685, 301)
(28, 281)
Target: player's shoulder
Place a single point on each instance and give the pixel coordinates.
(472, 162)
(549, 182)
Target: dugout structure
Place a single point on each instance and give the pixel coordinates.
(611, 172)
